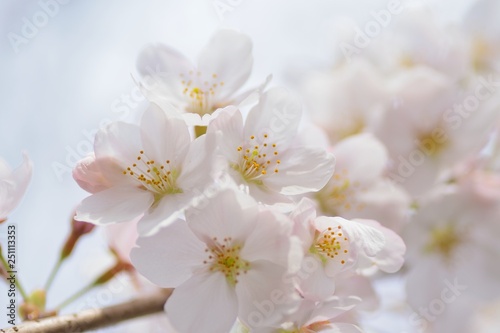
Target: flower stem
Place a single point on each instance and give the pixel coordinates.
(76, 296)
(53, 274)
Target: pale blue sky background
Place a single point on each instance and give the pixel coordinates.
(77, 68)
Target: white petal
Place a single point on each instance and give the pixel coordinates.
(303, 215)
(262, 193)
(121, 143)
(167, 210)
(334, 307)
(161, 68)
(364, 157)
(230, 123)
(302, 170)
(229, 213)
(391, 257)
(117, 204)
(164, 138)
(198, 164)
(314, 283)
(342, 328)
(269, 240)
(278, 115)
(368, 239)
(262, 295)
(169, 257)
(228, 55)
(204, 303)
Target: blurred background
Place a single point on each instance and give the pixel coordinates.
(72, 73)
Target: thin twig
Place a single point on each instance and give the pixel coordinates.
(96, 318)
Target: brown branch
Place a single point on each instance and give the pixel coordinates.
(96, 318)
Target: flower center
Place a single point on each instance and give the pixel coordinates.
(201, 93)
(340, 195)
(444, 240)
(257, 159)
(225, 258)
(331, 244)
(431, 144)
(155, 176)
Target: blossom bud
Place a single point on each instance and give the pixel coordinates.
(78, 229)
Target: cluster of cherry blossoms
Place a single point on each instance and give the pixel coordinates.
(265, 221)
(225, 203)
(421, 108)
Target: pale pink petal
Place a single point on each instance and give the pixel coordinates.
(120, 141)
(88, 175)
(121, 238)
(230, 123)
(228, 55)
(363, 156)
(262, 193)
(229, 213)
(315, 285)
(391, 257)
(117, 204)
(303, 215)
(278, 115)
(302, 170)
(204, 303)
(262, 295)
(368, 239)
(198, 164)
(161, 68)
(334, 307)
(13, 185)
(169, 208)
(342, 328)
(269, 240)
(164, 138)
(169, 257)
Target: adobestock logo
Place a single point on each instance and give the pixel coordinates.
(223, 6)
(437, 306)
(371, 30)
(31, 26)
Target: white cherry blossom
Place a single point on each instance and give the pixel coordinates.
(229, 257)
(261, 154)
(150, 171)
(223, 66)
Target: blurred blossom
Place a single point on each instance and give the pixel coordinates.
(13, 184)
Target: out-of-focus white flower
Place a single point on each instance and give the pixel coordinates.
(482, 29)
(358, 188)
(452, 243)
(223, 66)
(153, 170)
(346, 101)
(261, 154)
(416, 38)
(435, 126)
(226, 260)
(13, 184)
